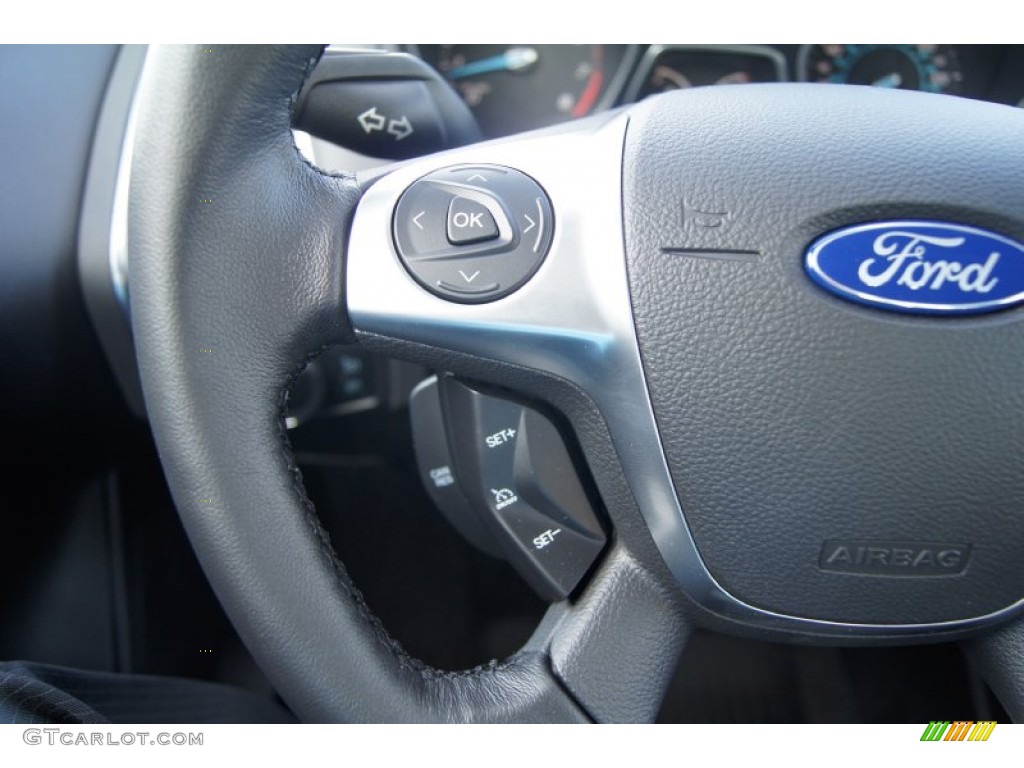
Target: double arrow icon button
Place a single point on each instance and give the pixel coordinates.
(373, 121)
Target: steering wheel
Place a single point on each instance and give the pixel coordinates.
(775, 459)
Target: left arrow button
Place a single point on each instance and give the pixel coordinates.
(420, 221)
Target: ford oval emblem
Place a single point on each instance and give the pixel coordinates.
(920, 267)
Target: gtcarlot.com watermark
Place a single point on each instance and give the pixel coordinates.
(75, 738)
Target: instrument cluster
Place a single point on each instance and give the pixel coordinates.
(514, 88)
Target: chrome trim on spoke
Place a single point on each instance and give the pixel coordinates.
(118, 256)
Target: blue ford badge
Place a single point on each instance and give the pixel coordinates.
(920, 267)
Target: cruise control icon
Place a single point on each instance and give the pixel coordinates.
(503, 497)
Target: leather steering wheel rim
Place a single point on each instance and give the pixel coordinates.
(237, 280)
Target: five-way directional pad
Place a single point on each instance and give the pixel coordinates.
(473, 234)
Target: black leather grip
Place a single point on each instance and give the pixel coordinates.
(237, 277)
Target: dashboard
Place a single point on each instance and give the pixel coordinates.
(514, 88)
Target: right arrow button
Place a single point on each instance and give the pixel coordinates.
(536, 222)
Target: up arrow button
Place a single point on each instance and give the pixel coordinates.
(469, 222)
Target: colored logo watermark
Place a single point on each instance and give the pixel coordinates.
(960, 730)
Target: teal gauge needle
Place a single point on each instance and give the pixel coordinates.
(511, 60)
(889, 81)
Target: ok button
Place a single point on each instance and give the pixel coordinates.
(469, 222)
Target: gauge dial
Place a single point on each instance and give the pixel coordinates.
(513, 88)
(670, 68)
(934, 68)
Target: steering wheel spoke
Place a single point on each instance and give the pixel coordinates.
(566, 337)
